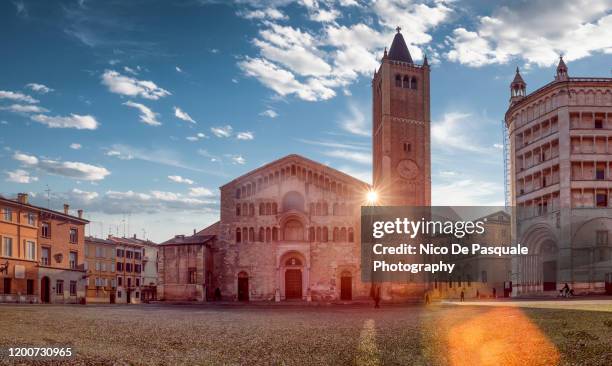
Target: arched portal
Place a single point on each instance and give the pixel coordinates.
(293, 275)
(293, 230)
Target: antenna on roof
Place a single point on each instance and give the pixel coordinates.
(48, 190)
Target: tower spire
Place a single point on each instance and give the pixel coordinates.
(399, 49)
(517, 87)
(562, 74)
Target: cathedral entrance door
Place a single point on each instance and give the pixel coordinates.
(346, 288)
(243, 287)
(293, 284)
(549, 275)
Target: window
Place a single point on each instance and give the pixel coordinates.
(137, 294)
(129, 282)
(137, 268)
(119, 281)
(119, 294)
(120, 253)
(413, 83)
(398, 81)
(8, 214)
(128, 267)
(73, 235)
(45, 230)
(136, 255)
(112, 267)
(7, 285)
(406, 82)
(407, 147)
(59, 287)
(73, 288)
(31, 219)
(30, 287)
(73, 260)
(137, 282)
(598, 123)
(602, 200)
(44, 256)
(129, 254)
(7, 247)
(600, 174)
(192, 275)
(238, 236)
(30, 250)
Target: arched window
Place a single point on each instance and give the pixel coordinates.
(275, 234)
(268, 208)
(251, 210)
(268, 235)
(311, 234)
(293, 201)
(274, 208)
(351, 235)
(238, 193)
(262, 209)
(324, 234)
(238, 235)
(335, 235)
(324, 209)
(251, 234)
(293, 230)
(245, 234)
(318, 210)
(413, 83)
(238, 210)
(262, 234)
(398, 81)
(318, 234)
(406, 82)
(343, 234)
(245, 209)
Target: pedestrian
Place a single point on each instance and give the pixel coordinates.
(377, 297)
(462, 296)
(494, 293)
(217, 294)
(477, 294)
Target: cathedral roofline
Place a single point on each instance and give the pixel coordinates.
(297, 157)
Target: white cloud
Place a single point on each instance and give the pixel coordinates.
(222, 131)
(199, 136)
(130, 70)
(498, 146)
(75, 146)
(16, 96)
(70, 169)
(269, 113)
(80, 122)
(180, 114)
(355, 121)
(536, 32)
(20, 176)
(238, 159)
(455, 132)
(353, 156)
(39, 88)
(267, 13)
(364, 175)
(284, 82)
(179, 179)
(178, 69)
(125, 85)
(246, 135)
(25, 108)
(146, 116)
(200, 192)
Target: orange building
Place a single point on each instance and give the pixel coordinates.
(41, 253)
(18, 250)
(101, 281)
(61, 270)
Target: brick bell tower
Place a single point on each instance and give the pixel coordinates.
(401, 128)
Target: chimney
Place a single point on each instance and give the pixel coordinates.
(194, 231)
(22, 198)
(134, 235)
(80, 214)
(66, 208)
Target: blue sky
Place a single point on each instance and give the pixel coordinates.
(137, 111)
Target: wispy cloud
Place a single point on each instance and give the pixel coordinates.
(353, 156)
(355, 121)
(147, 116)
(69, 169)
(246, 135)
(76, 146)
(125, 85)
(39, 88)
(16, 96)
(180, 114)
(24, 108)
(179, 179)
(222, 131)
(20, 176)
(77, 121)
(269, 113)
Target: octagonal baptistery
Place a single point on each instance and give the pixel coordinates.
(290, 230)
(561, 175)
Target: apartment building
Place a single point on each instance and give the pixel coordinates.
(128, 267)
(18, 251)
(101, 273)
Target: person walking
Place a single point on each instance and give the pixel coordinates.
(462, 296)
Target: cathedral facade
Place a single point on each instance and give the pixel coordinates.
(290, 230)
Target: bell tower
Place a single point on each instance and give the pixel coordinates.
(401, 128)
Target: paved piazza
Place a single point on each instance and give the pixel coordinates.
(541, 333)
